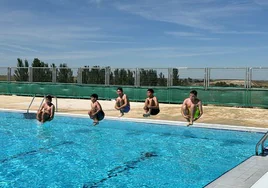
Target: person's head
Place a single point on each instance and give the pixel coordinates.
(119, 91)
(193, 95)
(150, 92)
(94, 97)
(48, 99)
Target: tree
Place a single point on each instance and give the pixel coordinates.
(21, 73)
(41, 71)
(162, 81)
(122, 77)
(175, 78)
(94, 75)
(64, 74)
(148, 77)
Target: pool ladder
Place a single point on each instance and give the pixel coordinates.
(41, 104)
(261, 142)
(32, 103)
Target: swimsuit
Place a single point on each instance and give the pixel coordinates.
(155, 111)
(126, 109)
(100, 115)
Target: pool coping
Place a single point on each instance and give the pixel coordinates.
(162, 122)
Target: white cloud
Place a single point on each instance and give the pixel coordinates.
(182, 34)
(242, 32)
(261, 2)
(207, 15)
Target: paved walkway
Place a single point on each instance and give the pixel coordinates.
(244, 175)
(251, 117)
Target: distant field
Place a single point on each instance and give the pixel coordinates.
(238, 83)
(3, 78)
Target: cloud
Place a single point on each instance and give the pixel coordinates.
(182, 34)
(242, 32)
(17, 48)
(206, 15)
(261, 2)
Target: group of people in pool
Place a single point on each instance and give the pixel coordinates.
(191, 108)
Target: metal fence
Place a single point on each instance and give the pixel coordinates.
(249, 77)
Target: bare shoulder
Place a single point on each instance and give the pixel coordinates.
(155, 98)
(186, 100)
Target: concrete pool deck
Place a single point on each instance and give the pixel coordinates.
(249, 117)
(244, 175)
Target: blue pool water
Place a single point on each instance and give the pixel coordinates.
(68, 152)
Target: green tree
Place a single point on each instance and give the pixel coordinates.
(64, 74)
(122, 77)
(41, 71)
(21, 73)
(176, 80)
(94, 75)
(148, 77)
(162, 81)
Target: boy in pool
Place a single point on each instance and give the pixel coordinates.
(151, 105)
(96, 112)
(46, 113)
(191, 108)
(122, 103)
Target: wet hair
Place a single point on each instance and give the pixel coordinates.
(120, 89)
(193, 92)
(49, 97)
(95, 96)
(151, 90)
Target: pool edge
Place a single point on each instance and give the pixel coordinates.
(163, 122)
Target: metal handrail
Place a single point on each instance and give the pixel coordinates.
(261, 142)
(32, 103)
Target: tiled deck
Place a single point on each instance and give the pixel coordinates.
(244, 175)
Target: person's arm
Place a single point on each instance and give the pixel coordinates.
(182, 110)
(125, 101)
(42, 107)
(52, 112)
(146, 102)
(98, 106)
(116, 105)
(156, 104)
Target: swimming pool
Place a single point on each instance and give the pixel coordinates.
(68, 152)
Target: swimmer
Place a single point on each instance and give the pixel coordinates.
(122, 103)
(151, 105)
(46, 113)
(191, 108)
(96, 113)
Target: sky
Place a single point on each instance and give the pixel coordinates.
(140, 33)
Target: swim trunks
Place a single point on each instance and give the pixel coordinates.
(100, 115)
(155, 111)
(126, 109)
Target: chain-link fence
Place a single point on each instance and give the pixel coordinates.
(66, 75)
(258, 77)
(188, 77)
(153, 77)
(227, 77)
(157, 77)
(4, 73)
(122, 76)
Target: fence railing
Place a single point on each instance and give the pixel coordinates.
(249, 77)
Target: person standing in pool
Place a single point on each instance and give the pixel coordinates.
(151, 105)
(46, 113)
(191, 108)
(122, 103)
(96, 113)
